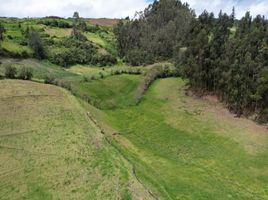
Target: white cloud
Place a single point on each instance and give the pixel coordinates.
(241, 6)
(65, 8)
(119, 8)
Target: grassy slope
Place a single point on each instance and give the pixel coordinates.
(15, 47)
(40, 68)
(49, 149)
(181, 147)
(189, 149)
(111, 92)
(95, 38)
(58, 32)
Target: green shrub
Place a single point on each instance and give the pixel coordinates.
(50, 79)
(26, 73)
(138, 57)
(86, 79)
(104, 60)
(36, 43)
(117, 72)
(73, 51)
(10, 71)
(64, 84)
(101, 75)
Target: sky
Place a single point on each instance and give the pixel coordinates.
(119, 8)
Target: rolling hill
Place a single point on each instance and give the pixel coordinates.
(85, 134)
(50, 149)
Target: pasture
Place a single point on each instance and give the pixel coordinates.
(50, 149)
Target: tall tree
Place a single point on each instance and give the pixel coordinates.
(2, 31)
(154, 33)
(36, 43)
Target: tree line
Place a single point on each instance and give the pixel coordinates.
(230, 59)
(217, 54)
(154, 33)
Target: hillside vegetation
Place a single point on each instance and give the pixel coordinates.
(154, 107)
(62, 41)
(50, 149)
(197, 151)
(189, 148)
(220, 55)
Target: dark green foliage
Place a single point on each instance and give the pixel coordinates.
(138, 57)
(36, 43)
(56, 23)
(77, 34)
(79, 25)
(154, 33)
(25, 73)
(10, 71)
(73, 51)
(232, 66)
(101, 75)
(93, 28)
(2, 31)
(104, 60)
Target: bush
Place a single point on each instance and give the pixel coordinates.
(64, 84)
(50, 79)
(117, 72)
(104, 60)
(86, 79)
(10, 71)
(101, 75)
(138, 57)
(93, 78)
(72, 51)
(26, 73)
(24, 54)
(36, 43)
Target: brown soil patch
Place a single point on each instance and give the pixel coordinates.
(223, 114)
(211, 98)
(220, 112)
(104, 21)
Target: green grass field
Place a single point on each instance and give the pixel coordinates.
(95, 38)
(109, 93)
(14, 47)
(58, 32)
(186, 148)
(177, 146)
(40, 69)
(50, 149)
